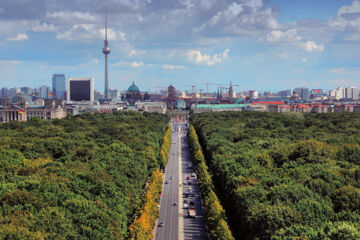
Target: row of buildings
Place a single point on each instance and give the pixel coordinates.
(277, 107)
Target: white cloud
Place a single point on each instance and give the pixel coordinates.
(195, 56)
(311, 46)
(67, 17)
(136, 52)
(19, 37)
(88, 32)
(131, 64)
(44, 27)
(283, 55)
(96, 61)
(248, 18)
(304, 60)
(172, 67)
(278, 35)
(347, 21)
(9, 62)
(338, 70)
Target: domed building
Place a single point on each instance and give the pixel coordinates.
(133, 94)
(21, 99)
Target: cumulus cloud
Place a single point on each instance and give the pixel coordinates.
(195, 56)
(88, 32)
(43, 27)
(278, 35)
(134, 52)
(131, 64)
(172, 67)
(311, 46)
(347, 21)
(71, 17)
(247, 18)
(19, 37)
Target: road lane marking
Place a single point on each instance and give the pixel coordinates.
(181, 210)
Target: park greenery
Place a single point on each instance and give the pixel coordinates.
(214, 213)
(143, 226)
(285, 176)
(82, 177)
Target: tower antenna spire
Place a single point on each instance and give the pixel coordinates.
(106, 52)
(105, 24)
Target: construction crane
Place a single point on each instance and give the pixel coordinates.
(192, 88)
(207, 89)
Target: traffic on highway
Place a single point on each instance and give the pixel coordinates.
(180, 203)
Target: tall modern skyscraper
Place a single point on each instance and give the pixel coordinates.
(80, 89)
(303, 92)
(44, 92)
(58, 86)
(106, 52)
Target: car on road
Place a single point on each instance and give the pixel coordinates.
(186, 200)
(188, 178)
(174, 204)
(191, 213)
(166, 182)
(172, 177)
(193, 175)
(161, 224)
(186, 205)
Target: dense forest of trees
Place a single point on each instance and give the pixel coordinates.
(214, 213)
(77, 178)
(285, 176)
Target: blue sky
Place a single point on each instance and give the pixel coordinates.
(256, 44)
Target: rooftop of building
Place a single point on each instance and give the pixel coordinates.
(220, 106)
(133, 88)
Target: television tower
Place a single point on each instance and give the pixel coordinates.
(106, 52)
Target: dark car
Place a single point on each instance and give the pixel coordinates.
(161, 224)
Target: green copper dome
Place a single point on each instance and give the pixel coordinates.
(133, 88)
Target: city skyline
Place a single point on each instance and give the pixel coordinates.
(262, 45)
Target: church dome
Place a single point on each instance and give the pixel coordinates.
(133, 89)
(21, 98)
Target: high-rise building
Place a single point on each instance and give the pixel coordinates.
(352, 93)
(58, 86)
(3, 92)
(340, 93)
(27, 90)
(11, 92)
(303, 93)
(44, 91)
(80, 89)
(106, 52)
(285, 93)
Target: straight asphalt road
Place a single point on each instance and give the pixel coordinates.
(170, 194)
(177, 225)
